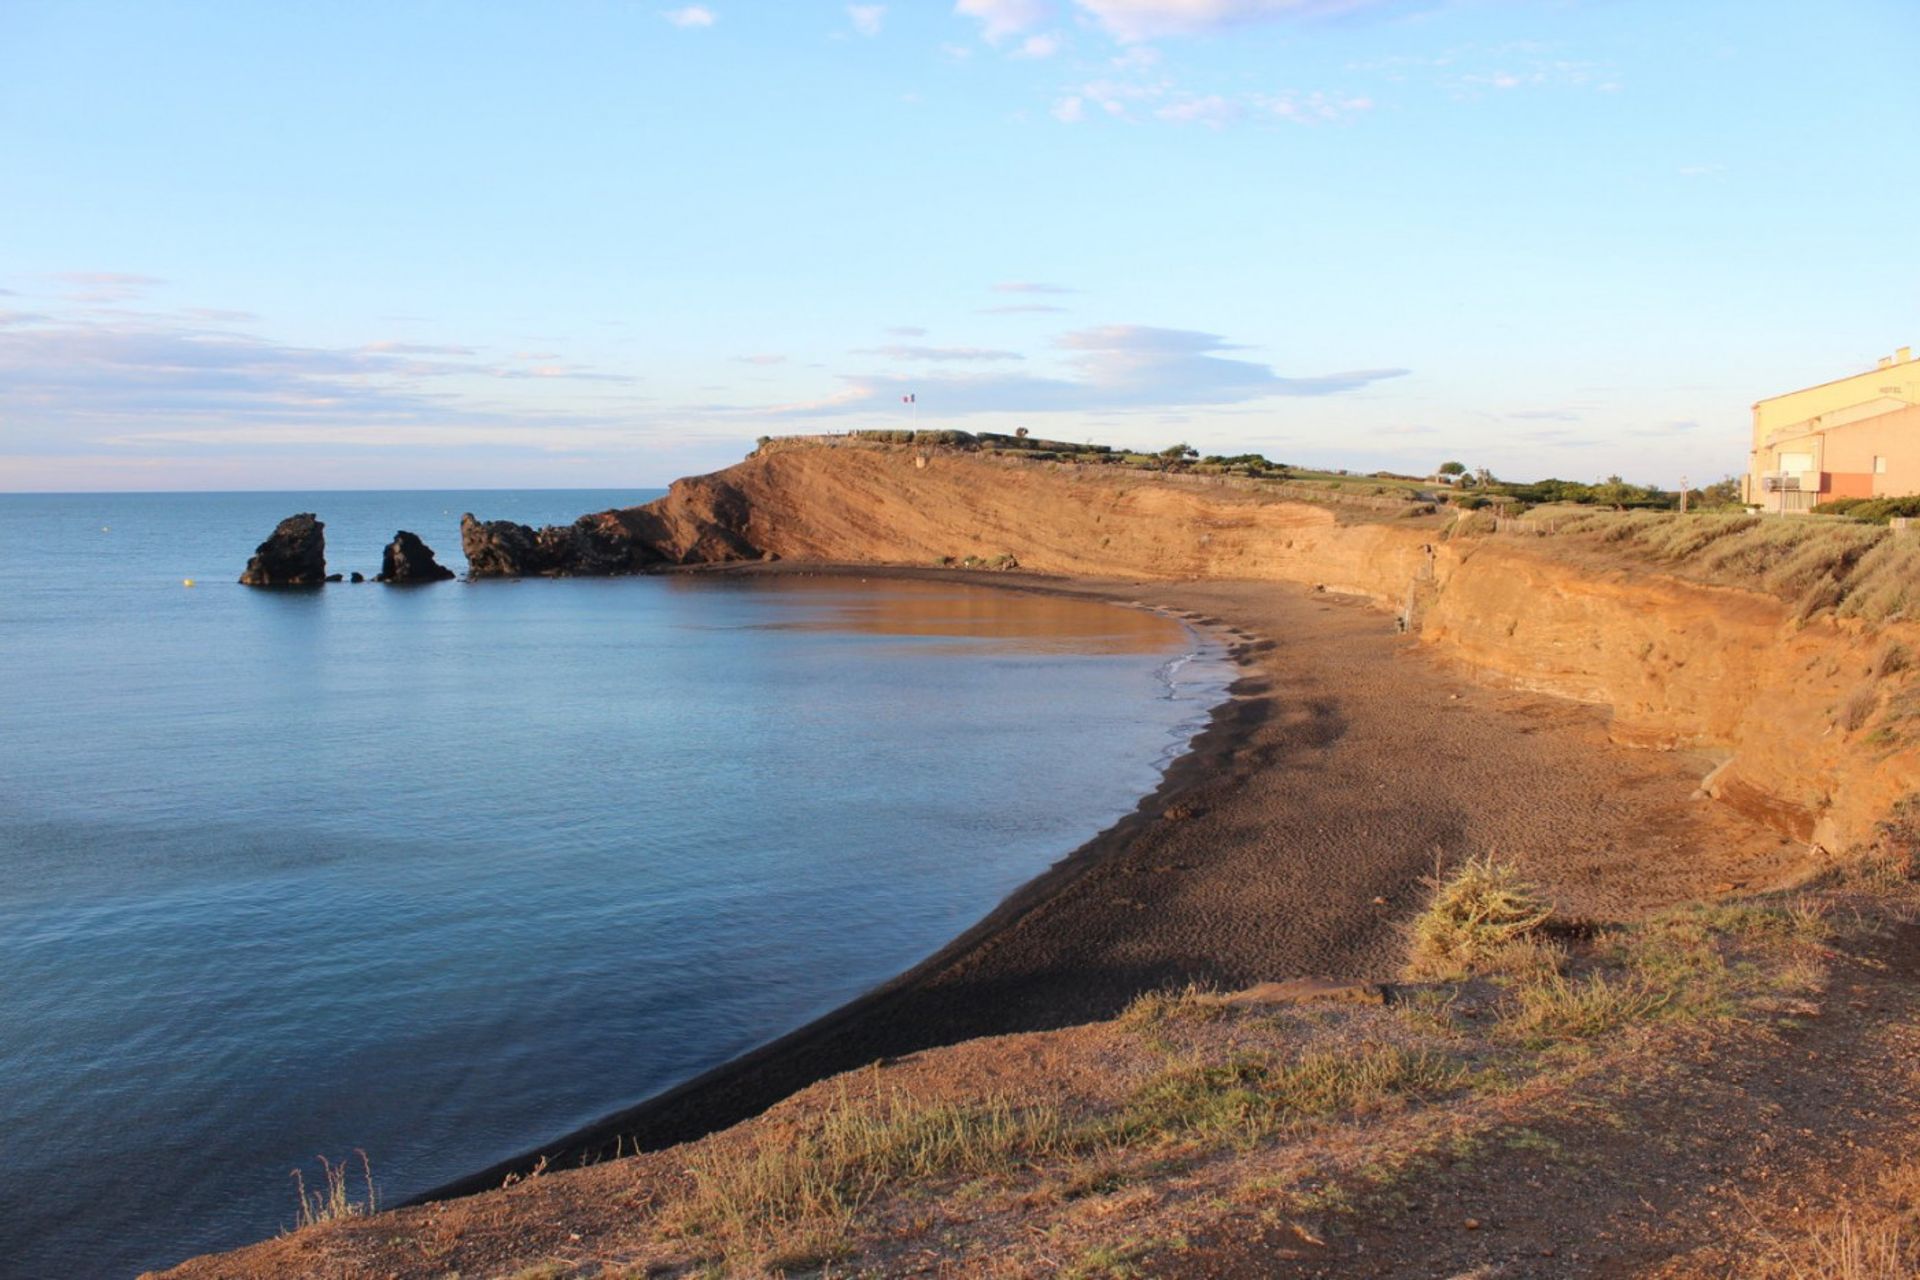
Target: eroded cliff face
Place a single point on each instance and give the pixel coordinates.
(1807, 716)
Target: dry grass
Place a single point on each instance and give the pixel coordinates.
(1813, 562)
(333, 1200)
(1473, 917)
(1254, 1096)
(1877, 1239)
(801, 1192)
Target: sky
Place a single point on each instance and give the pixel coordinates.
(446, 244)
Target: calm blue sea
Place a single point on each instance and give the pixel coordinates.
(442, 872)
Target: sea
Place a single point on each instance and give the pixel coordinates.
(438, 873)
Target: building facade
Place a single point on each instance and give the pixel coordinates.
(1855, 437)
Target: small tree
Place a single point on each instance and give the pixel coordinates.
(1453, 468)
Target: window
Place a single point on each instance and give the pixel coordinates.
(1879, 465)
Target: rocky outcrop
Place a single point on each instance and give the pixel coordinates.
(408, 560)
(611, 542)
(294, 556)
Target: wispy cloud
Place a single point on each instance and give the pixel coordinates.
(1132, 21)
(1022, 308)
(1002, 18)
(1032, 286)
(691, 16)
(1160, 98)
(106, 286)
(1111, 367)
(867, 19)
(764, 357)
(1038, 47)
(74, 381)
(907, 331)
(900, 351)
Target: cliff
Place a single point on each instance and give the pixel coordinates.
(1812, 711)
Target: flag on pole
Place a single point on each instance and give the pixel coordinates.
(907, 399)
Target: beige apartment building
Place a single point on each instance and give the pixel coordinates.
(1855, 437)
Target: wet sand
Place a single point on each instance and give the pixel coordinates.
(1292, 840)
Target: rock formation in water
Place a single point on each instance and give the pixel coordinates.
(294, 556)
(606, 542)
(407, 560)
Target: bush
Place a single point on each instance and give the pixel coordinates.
(1872, 510)
(1484, 907)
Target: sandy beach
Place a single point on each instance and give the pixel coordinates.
(1292, 840)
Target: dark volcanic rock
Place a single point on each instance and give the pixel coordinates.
(592, 546)
(499, 548)
(356, 576)
(409, 560)
(295, 556)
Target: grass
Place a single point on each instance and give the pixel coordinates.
(749, 1196)
(1483, 909)
(1814, 563)
(333, 1200)
(1555, 1007)
(1254, 1096)
(1876, 1238)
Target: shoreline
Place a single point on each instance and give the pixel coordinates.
(1346, 761)
(748, 1083)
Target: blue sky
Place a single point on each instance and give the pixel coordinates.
(452, 244)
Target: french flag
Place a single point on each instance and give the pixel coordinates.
(907, 399)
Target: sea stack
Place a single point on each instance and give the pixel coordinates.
(408, 560)
(294, 556)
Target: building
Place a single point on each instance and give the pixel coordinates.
(1856, 437)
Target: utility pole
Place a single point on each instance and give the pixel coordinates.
(1683, 495)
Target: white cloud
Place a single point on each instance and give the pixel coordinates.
(1071, 109)
(762, 358)
(693, 15)
(907, 331)
(1002, 18)
(867, 18)
(1037, 47)
(1022, 308)
(1111, 367)
(1031, 286)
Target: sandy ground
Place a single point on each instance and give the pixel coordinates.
(1348, 761)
